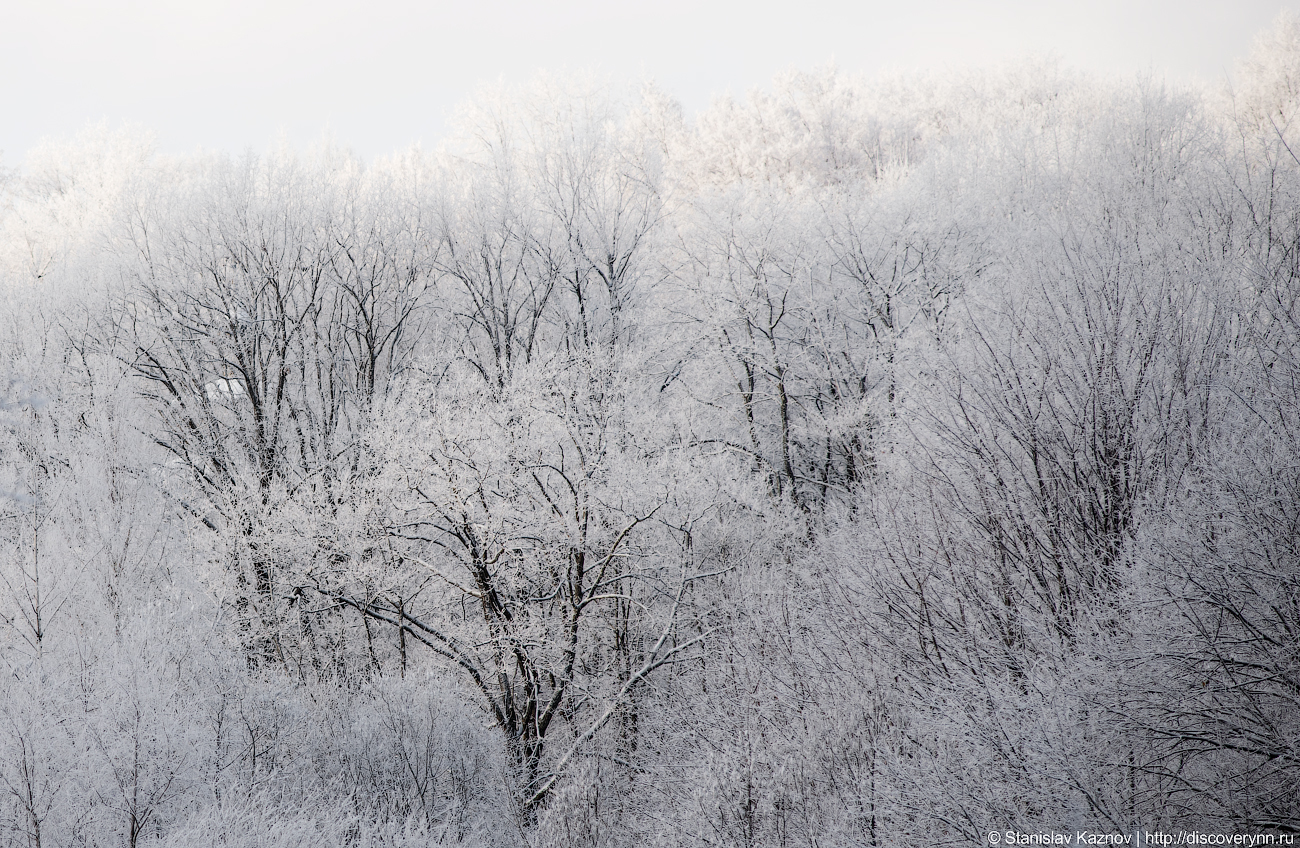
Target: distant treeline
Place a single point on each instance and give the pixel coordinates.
(861, 463)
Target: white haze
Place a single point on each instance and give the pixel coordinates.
(382, 76)
(900, 461)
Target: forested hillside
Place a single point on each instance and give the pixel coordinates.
(858, 463)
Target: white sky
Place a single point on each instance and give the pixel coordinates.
(383, 75)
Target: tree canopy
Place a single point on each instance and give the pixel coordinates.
(859, 463)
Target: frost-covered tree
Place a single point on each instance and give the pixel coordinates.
(864, 462)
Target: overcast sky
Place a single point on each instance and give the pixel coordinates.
(383, 75)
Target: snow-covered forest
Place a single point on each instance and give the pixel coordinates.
(857, 463)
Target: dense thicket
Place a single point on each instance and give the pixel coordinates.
(860, 464)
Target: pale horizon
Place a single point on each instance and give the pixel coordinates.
(382, 78)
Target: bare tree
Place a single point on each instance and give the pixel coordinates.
(530, 555)
(269, 318)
